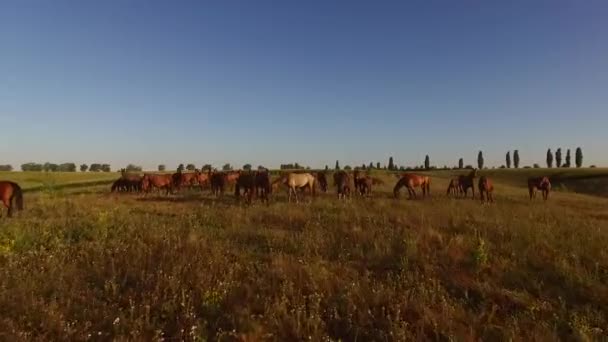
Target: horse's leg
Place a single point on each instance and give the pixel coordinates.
(8, 203)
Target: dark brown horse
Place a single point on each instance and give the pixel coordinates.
(467, 182)
(322, 180)
(263, 187)
(411, 181)
(486, 189)
(218, 183)
(159, 182)
(342, 183)
(363, 184)
(539, 183)
(246, 181)
(10, 191)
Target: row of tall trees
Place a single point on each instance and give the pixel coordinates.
(578, 158)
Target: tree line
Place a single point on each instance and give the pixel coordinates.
(64, 167)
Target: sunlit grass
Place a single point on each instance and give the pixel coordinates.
(83, 263)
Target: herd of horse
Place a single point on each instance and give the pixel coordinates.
(259, 184)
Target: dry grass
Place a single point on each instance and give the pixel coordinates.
(90, 265)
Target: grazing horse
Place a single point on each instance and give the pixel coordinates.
(539, 183)
(322, 179)
(246, 181)
(467, 182)
(363, 184)
(486, 188)
(295, 181)
(126, 185)
(8, 192)
(454, 187)
(263, 188)
(157, 181)
(342, 183)
(410, 181)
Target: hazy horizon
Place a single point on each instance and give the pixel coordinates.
(268, 83)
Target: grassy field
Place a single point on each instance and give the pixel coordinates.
(81, 263)
(35, 181)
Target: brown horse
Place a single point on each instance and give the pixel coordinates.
(342, 183)
(263, 188)
(539, 183)
(454, 188)
(363, 184)
(411, 181)
(8, 192)
(322, 179)
(467, 182)
(159, 182)
(203, 179)
(486, 188)
(188, 179)
(230, 178)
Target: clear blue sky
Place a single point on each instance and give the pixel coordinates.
(267, 82)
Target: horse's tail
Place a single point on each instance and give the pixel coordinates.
(427, 185)
(18, 196)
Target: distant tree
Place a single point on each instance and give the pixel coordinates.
(133, 168)
(508, 159)
(84, 168)
(207, 167)
(391, 165)
(480, 160)
(106, 168)
(549, 158)
(536, 166)
(247, 167)
(363, 167)
(567, 158)
(378, 166)
(516, 159)
(347, 168)
(67, 167)
(180, 168)
(162, 167)
(578, 157)
(6, 167)
(337, 167)
(227, 167)
(190, 167)
(326, 168)
(427, 162)
(95, 167)
(460, 163)
(558, 157)
(401, 168)
(297, 166)
(50, 167)
(470, 167)
(371, 165)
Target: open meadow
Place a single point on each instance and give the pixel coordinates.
(81, 263)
